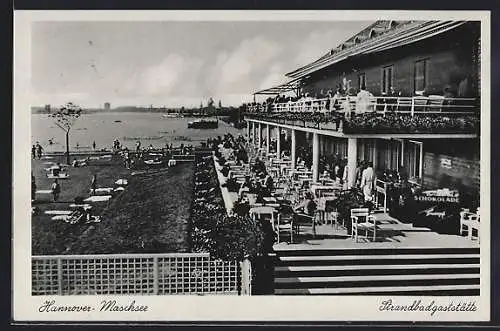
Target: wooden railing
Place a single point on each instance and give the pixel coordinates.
(433, 104)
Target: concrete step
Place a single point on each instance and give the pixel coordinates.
(370, 267)
(408, 259)
(399, 290)
(295, 280)
(360, 270)
(301, 251)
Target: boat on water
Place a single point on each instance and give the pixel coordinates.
(203, 124)
(118, 121)
(172, 115)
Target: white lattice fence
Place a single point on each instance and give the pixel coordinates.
(142, 274)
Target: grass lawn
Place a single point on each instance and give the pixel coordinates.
(149, 216)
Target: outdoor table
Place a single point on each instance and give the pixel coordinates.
(270, 199)
(235, 174)
(317, 189)
(287, 171)
(296, 174)
(263, 211)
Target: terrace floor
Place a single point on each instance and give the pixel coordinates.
(391, 233)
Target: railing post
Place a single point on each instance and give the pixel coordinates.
(155, 276)
(59, 277)
(246, 277)
(412, 106)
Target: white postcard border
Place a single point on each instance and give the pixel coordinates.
(226, 308)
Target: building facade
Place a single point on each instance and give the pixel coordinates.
(423, 117)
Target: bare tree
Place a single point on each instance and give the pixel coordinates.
(65, 117)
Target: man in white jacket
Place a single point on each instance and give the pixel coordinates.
(367, 181)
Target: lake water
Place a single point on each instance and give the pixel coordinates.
(102, 128)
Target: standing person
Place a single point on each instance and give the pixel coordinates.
(39, 150)
(93, 145)
(367, 181)
(93, 184)
(138, 146)
(56, 189)
(33, 188)
(33, 151)
(359, 172)
(127, 160)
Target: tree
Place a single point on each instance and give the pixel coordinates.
(65, 118)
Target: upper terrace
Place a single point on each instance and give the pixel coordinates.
(351, 114)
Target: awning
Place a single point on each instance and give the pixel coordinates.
(411, 33)
(285, 87)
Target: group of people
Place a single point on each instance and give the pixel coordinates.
(36, 150)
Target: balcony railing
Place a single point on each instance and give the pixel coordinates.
(433, 104)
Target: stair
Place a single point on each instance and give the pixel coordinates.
(377, 271)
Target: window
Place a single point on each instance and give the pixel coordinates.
(387, 79)
(388, 154)
(413, 158)
(361, 81)
(420, 75)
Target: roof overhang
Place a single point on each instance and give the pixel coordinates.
(283, 88)
(407, 34)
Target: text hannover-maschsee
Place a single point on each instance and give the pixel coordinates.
(105, 305)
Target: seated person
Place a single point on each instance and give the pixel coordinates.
(305, 209)
(269, 183)
(245, 186)
(338, 180)
(56, 169)
(80, 163)
(258, 166)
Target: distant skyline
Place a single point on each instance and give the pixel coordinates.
(172, 64)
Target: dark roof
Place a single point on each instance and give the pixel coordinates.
(378, 36)
(285, 87)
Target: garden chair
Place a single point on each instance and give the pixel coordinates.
(420, 103)
(284, 225)
(404, 104)
(469, 222)
(436, 103)
(362, 220)
(304, 220)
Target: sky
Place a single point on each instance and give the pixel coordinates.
(172, 64)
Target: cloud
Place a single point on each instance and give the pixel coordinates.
(274, 77)
(239, 70)
(173, 75)
(316, 44)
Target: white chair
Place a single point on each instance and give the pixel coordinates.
(420, 103)
(302, 219)
(468, 223)
(284, 224)
(436, 103)
(361, 219)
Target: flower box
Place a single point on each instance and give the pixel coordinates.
(312, 125)
(328, 126)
